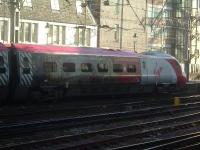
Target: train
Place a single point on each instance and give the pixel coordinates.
(31, 71)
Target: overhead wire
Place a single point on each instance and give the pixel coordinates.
(136, 14)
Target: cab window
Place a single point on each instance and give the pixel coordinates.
(178, 65)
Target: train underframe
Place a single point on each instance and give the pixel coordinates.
(54, 92)
(3, 94)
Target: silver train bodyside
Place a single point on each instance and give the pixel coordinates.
(38, 74)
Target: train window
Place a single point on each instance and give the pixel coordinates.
(2, 68)
(26, 68)
(86, 67)
(117, 68)
(131, 68)
(68, 67)
(50, 66)
(102, 67)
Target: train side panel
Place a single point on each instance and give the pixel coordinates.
(78, 75)
(70, 75)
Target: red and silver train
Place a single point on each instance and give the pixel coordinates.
(28, 71)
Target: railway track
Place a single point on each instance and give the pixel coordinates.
(26, 113)
(183, 142)
(105, 117)
(175, 120)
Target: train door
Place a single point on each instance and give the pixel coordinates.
(147, 70)
(53, 67)
(25, 68)
(4, 72)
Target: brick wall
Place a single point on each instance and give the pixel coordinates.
(110, 17)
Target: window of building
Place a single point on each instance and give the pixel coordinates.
(199, 3)
(70, 35)
(50, 67)
(86, 67)
(91, 5)
(26, 67)
(82, 36)
(117, 6)
(57, 34)
(68, 67)
(27, 3)
(62, 34)
(102, 67)
(28, 32)
(55, 5)
(79, 8)
(116, 35)
(3, 30)
(87, 37)
(34, 31)
(27, 29)
(131, 68)
(179, 13)
(117, 68)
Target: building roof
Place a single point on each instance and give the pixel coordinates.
(41, 10)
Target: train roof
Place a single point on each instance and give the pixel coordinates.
(3, 47)
(157, 54)
(52, 49)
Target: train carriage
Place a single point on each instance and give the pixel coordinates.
(72, 71)
(44, 71)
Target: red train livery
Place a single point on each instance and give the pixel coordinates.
(45, 70)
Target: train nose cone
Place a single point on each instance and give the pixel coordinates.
(182, 80)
